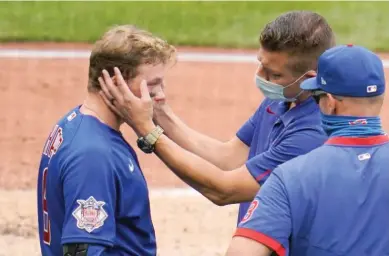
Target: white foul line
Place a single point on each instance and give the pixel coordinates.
(153, 192)
(183, 56)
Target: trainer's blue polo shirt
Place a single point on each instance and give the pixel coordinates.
(333, 201)
(276, 134)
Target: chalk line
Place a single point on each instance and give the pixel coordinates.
(153, 192)
(183, 56)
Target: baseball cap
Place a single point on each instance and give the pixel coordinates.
(348, 70)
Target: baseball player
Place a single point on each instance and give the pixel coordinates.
(286, 124)
(92, 195)
(334, 200)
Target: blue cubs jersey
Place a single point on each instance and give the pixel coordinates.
(332, 201)
(276, 134)
(92, 190)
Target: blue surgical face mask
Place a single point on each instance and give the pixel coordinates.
(275, 91)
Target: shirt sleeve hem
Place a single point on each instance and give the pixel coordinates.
(263, 239)
(246, 141)
(260, 177)
(82, 239)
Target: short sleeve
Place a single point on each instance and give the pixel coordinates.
(268, 219)
(89, 192)
(246, 132)
(295, 144)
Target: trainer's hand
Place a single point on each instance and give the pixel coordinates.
(136, 112)
(161, 108)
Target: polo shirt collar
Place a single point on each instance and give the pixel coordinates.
(280, 109)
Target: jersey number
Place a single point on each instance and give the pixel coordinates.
(250, 211)
(46, 219)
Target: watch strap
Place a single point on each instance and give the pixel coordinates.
(153, 136)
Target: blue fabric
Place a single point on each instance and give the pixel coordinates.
(270, 217)
(91, 190)
(328, 202)
(276, 134)
(347, 70)
(351, 126)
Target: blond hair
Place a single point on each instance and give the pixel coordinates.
(126, 47)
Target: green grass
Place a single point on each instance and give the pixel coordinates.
(225, 24)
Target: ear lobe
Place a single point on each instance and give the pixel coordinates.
(331, 103)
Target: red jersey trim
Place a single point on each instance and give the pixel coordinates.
(262, 175)
(263, 239)
(362, 141)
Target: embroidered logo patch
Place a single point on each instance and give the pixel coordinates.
(323, 82)
(371, 88)
(71, 116)
(131, 166)
(363, 157)
(90, 214)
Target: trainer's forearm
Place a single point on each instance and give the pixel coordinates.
(207, 148)
(208, 179)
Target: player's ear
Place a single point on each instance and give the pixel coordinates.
(331, 104)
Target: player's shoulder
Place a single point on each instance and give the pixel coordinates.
(305, 164)
(86, 136)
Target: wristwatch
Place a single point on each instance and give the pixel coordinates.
(147, 143)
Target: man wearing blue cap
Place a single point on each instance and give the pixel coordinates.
(335, 199)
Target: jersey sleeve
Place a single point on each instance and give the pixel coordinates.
(89, 190)
(246, 132)
(268, 219)
(293, 145)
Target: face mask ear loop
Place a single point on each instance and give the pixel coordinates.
(301, 91)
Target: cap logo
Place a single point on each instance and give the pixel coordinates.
(323, 82)
(371, 88)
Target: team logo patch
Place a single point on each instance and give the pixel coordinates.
(90, 214)
(250, 211)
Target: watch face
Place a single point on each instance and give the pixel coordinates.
(145, 146)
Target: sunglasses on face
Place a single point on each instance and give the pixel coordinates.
(318, 94)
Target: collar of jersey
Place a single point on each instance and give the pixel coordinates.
(358, 141)
(305, 108)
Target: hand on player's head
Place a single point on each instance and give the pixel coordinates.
(135, 111)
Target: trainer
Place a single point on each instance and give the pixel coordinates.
(334, 200)
(286, 124)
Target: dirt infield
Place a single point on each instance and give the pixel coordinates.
(214, 98)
